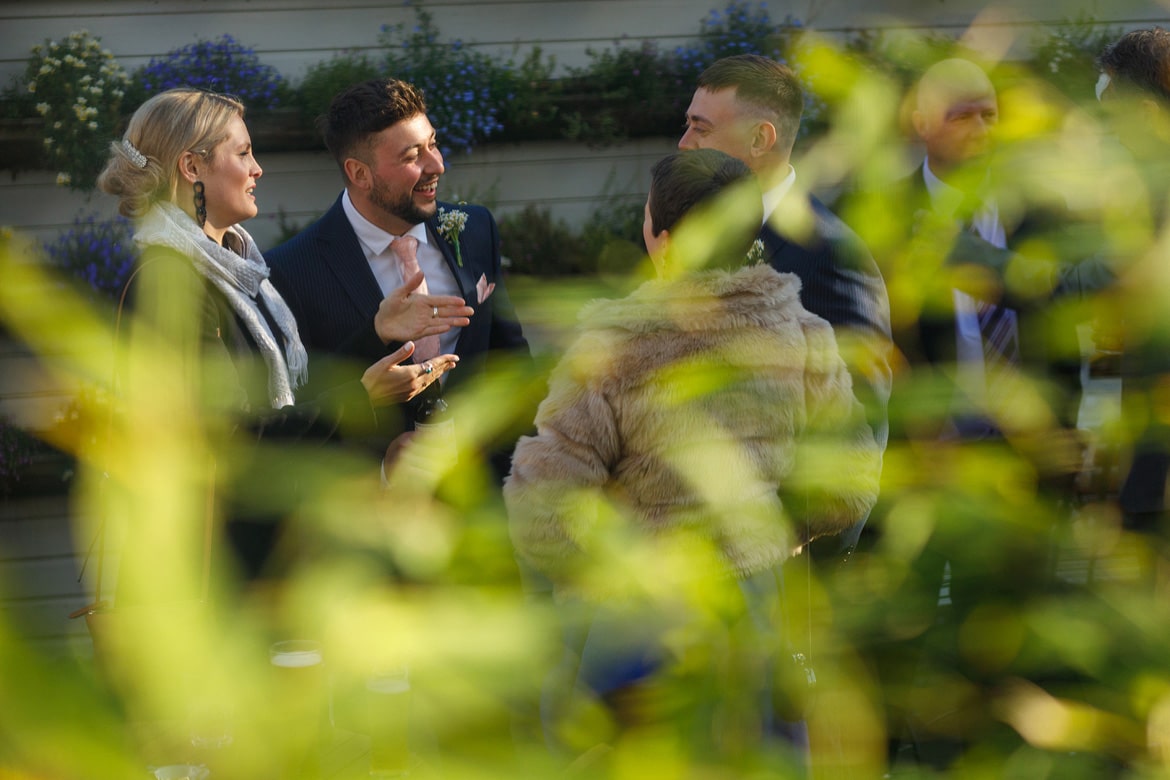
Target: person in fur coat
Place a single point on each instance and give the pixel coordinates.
(708, 406)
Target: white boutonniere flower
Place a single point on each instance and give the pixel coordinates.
(755, 255)
(451, 224)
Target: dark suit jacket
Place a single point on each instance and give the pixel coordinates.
(1048, 342)
(840, 282)
(326, 280)
(234, 379)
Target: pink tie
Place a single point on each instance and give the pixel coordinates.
(404, 249)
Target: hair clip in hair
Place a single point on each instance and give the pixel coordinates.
(136, 157)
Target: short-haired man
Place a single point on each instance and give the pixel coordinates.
(354, 278)
(750, 107)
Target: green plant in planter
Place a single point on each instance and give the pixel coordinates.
(17, 448)
(1065, 55)
(97, 252)
(78, 87)
(325, 79)
(539, 245)
(221, 65)
(740, 28)
(747, 28)
(613, 234)
(632, 91)
(529, 98)
(458, 82)
(903, 55)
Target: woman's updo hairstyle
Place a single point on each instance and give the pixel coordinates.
(160, 131)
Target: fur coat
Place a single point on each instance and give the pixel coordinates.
(714, 405)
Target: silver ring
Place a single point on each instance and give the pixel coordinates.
(428, 368)
(434, 312)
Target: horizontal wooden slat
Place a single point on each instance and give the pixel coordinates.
(51, 577)
(46, 618)
(35, 528)
(276, 29)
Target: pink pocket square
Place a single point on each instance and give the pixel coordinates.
(483, 289)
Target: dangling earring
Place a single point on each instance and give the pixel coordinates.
(200, 204)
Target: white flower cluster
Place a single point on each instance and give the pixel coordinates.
(80, 86)
(755, 255)
(451, 224)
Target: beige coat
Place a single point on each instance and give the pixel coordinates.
(714, 405)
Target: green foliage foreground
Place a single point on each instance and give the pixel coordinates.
(1058, 668)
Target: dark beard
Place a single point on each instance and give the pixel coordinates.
(403, 208)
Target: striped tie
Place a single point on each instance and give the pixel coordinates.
(999, 327)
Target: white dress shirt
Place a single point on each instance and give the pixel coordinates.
(776, 194)
(946, 200)
(375, 242)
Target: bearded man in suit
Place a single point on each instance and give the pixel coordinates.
(749, 107)
(357, 293)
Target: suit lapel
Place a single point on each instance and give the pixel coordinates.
(462, 275)
(348, 261)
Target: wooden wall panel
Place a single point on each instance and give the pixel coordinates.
(292, 34)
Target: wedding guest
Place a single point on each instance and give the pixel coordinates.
(976, 351)
(750, 107)
(1134, 91)
(342, 274)
(682, 412)
(186, 173)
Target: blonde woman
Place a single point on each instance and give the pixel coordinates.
(186, 172)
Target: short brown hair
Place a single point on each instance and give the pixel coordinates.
(1140, 60)
(682, 180)
(365, 109)
(685, 181)
(763, 83)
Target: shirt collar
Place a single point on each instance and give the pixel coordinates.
(773, 196)
(945, 198)
(373, 238)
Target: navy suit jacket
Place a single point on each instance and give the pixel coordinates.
(840, 282)
(326, 280)
(1047, 342)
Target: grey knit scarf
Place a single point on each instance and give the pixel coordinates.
(240, 277)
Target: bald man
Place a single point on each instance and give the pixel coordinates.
(996, 326)
(955, 115)
(973, 346)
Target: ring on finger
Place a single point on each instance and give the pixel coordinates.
(428, 368)
(434, 312)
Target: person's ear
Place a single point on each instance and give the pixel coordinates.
(664, 237)
(763, 138)
(919, 123)
(190, 166)
(358, 173)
